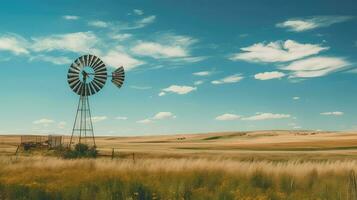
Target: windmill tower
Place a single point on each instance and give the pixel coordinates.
(86, 76)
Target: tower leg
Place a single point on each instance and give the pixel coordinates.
(82, 131)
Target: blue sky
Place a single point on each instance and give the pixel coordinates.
(191, 66)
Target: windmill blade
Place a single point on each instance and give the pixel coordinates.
(95, 61)
(91, 59)
(118, 77)
(92, 89)
(86, 60)
(78, 88)
(84, 82)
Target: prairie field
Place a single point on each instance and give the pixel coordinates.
(234, 165)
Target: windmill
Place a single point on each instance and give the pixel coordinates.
(86, 76)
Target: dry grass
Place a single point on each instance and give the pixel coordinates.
(237, 165)
(46, 177)
(255, 144)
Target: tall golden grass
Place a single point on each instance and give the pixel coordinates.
(172, 178)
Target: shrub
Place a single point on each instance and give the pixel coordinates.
(81, 151)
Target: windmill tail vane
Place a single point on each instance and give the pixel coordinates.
(86, 76)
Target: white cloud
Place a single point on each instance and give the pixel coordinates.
(202, 73)
(98, 23)
(277, 51)
(162, 94)
(157, 116)
(227, 117)
(304, 24)
(157, 50)
(144, 121)
(189, 59)
(116, 58)
(229, 79)
(138, 12)
(168, 46)
(266, 116)
(163, 115)
(13, 43)
(315, 66)
(43, 121)
(137, 24)
(269, 75)
(121, 36)
(74, 42)
(296, 98)
(337, 113)
(70, 17)
(178, 89)
(147, 20)
(198, 82)
(60, 60)
(121, 118)
(99, 118)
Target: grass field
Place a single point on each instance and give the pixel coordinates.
(235, 165)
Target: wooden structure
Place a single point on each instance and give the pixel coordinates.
(55, 141)
(41, 141)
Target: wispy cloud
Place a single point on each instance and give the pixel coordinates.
(315, 66)
(157, 50)
(14, 44)
(61, 124)
(178, 89)
(98, 24)
(60, 60)
(202, 73)
(44, 121)
(96, 119)
(277, 51)
(138, 12)
(158, 116)
(121, 118)
(117, 58)
(78, 42)
(70, 17)
(121, 36)
(164, 115)
(304, 24)
(170, 47)
(229, 79)
(141, 23)
(336, 113)
(296, 98)
(199, 82)
(144, 121)
(269, 75)
(227, 117)
(147, 20)
(117, 25)
(266, 116)
(74, 42)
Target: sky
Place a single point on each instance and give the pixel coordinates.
(191, 66)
